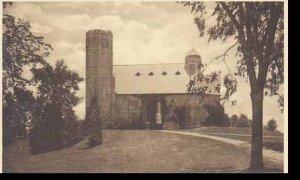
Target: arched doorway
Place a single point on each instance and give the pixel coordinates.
(156, 110)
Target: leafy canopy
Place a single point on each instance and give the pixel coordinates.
(257, 28)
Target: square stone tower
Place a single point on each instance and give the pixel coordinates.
(99, 71)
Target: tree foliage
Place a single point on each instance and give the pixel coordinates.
(272, 125)
(55, 123)
(226, 119)
(17, 114)
(244, 121)
(240, 121)
(20, 48)
(234, 120)
(49, 117)
(216, 115)
(93, 125)
(257, 28)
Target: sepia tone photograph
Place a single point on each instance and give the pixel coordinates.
(144, 87)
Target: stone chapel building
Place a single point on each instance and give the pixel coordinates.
(143, 93)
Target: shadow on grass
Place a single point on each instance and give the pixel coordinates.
(87, 147)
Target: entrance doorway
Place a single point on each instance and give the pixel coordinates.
(156, 109)
(181, 113)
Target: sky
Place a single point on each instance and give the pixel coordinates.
(143, 32)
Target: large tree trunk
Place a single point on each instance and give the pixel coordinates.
(256, 163)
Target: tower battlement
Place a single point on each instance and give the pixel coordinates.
(99, 32)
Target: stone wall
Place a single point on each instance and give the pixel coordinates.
(194, 106)
(128, 110)
(132, 109)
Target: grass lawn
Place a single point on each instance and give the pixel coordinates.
(134, 151)
(272, 139)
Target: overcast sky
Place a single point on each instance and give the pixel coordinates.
(144, 32)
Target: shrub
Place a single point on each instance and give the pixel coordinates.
(226, 119)
(244, 121)
(216, 115)
(272, 125)
(96, 137)
(48, 129)
(234, 120)
(93, 124)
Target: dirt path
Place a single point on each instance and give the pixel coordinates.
(245, 135)
(273, 156)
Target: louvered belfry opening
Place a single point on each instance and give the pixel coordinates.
(192, 62)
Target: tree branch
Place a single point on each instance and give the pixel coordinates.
(232, 17)
(271, 30)
(244, 45)
(224, 55)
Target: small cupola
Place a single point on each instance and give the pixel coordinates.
(192, 62)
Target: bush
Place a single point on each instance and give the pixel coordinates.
(93, 124)
(226, 119)
(272, 125)
(96, 137)
(234, 120)
(216, 115)
(48, 128)
(244, 121)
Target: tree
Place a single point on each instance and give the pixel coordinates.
(17, 113)
(54, 117)
(227, 122)
(46, 134)
(234, 120)
(244, 121)
(94, 124)
(216, 115)
(258, 29)
(272, 125)
(20, 48)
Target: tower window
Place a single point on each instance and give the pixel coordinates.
(151, 74)
(164, 73)
(95, 59)
(177, 73)
(105, 43)
(137, 74)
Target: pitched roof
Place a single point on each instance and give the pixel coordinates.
(154, 79)
(193, 52)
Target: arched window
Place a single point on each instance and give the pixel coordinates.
(104, 60)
